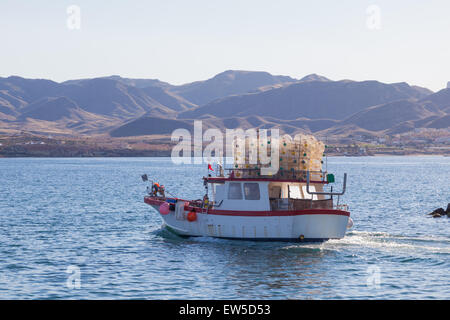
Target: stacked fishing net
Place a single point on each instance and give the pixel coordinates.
(246, 160)
(301, 154)
(296, 156)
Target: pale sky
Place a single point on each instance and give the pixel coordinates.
(183, 41)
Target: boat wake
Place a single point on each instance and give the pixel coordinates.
(382, 241)
(353, 241)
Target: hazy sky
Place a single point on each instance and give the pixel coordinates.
(184, 41)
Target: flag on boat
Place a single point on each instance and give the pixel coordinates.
(209, 167)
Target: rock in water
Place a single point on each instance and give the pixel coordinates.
(439, 212)
(448, 209)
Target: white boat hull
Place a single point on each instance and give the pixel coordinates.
(309, 225)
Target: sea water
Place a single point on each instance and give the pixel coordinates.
(77, 228)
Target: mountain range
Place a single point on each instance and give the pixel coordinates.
(122, 107)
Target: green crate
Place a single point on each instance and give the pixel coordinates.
(330, 178)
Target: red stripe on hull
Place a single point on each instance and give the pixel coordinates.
(278, 213)
(235, 213)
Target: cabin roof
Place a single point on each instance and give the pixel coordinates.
(223, 179)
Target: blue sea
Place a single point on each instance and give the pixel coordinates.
(77, 228)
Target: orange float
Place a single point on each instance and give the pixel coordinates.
(192, 216)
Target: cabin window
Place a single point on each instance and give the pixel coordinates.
(235, 191)
(294, 192)
(251, 191)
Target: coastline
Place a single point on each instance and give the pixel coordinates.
(152, 154)
(30, 145)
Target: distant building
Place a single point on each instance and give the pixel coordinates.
(448, 85)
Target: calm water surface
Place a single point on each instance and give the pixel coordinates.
(60, 215)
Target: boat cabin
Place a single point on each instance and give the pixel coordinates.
(266, 195)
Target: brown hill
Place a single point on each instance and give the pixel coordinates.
(441, 99)
(113, 98)
(439, 123)
(313, 77)
(241, 99)
(388, 115)
(231, 82)
(102, 96)
(150, 125)
(169, 99)
(54, 109)
(310, 99)
(147, 125)
(139, 83)
(22, 91)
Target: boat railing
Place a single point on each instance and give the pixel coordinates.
(342, 207)
(304, 204)
(287, 204)
(325, 193)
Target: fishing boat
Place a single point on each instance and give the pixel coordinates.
(295, 204)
